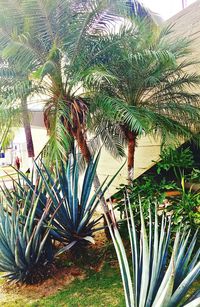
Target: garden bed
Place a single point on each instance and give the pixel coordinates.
(87, 281)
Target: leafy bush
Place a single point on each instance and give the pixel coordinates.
(25, 246)
(183, 205)
(194, 176)
(148, 189)
(177, 160)
(159, 279)
(185, 210)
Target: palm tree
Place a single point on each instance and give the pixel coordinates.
(150, 89)
(46, 40)
(10, 83)
(14, 82)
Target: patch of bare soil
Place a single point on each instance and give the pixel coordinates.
(61, 278)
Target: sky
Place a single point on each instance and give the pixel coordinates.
(166, 8)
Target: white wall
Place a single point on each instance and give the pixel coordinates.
(146, 151)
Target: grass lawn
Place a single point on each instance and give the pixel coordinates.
(91, 280)
(97, 289)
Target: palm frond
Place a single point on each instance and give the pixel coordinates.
(60, 140)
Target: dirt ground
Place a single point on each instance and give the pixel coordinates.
(62, 277)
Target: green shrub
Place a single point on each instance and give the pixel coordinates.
(185, 210)
(178, 160)
(194, 176)
(149, 191)
(184, 207)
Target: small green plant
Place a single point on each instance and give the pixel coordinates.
(25, 245)
(156, 278)
(149, 190)
(178, 160)
(194, 176)
(184, 207)
(185, 210)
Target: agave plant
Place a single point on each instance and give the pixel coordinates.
(157, 278)
(72, 209)
(25, 246)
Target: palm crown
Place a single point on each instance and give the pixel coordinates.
(149, 89)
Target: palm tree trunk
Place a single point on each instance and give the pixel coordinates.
(131, 154)
(131, 138)
(79, 136)
(83, 145)
(27, 128)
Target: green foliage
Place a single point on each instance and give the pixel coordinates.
(194, 176)
(152, 280)
(178, 160)
(149, 89)
(25, 246)
(185, 210)
(148, 189)
(183, 207)
(145, 190)
(135, 76)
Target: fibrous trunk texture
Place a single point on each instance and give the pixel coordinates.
(131, 154)
(27, 129)
(82, 144)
